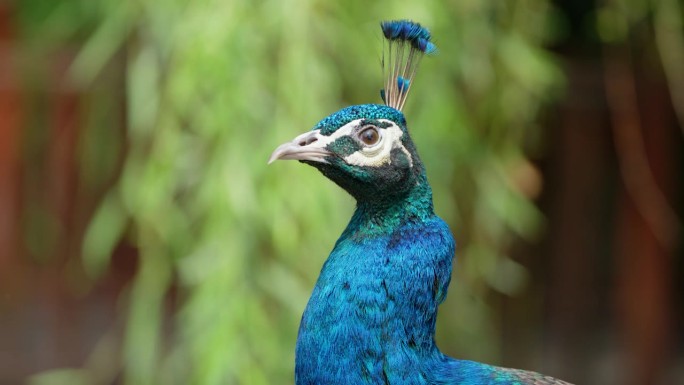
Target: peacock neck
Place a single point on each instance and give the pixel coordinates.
(386, 213)
(371, 316)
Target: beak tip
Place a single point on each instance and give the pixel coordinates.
(275, 155)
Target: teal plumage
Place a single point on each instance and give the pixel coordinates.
(371, 316)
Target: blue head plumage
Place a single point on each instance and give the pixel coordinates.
(333, 122)
(370, 153)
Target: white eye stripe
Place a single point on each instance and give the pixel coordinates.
(369, 156)
(349, 129)
(380, 153)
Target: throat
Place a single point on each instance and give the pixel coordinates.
(385, 214)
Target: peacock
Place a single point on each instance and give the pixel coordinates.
(371, 316)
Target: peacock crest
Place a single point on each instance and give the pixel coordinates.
(407, 43)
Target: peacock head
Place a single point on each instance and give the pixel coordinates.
(365, 149)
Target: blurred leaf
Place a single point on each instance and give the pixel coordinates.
(103, 234)
(61, 377)
(101, 46)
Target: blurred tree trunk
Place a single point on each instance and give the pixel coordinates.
(645, 134)
(581, 177)
(10, 182)
(10, 111)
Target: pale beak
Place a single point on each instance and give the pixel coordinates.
(307, 146)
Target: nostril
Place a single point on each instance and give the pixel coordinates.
(307, 141)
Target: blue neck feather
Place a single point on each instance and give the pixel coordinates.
(360, 321)
(371, 317)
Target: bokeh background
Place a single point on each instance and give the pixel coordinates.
(143, 239)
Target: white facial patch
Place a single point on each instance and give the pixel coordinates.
(375, 155)
(380, 153)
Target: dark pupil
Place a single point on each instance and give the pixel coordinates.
(370, 136)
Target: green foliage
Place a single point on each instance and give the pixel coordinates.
(212, 87)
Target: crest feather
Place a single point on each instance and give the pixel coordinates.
(407, 42)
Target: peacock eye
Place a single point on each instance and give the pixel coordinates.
(369, 136)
